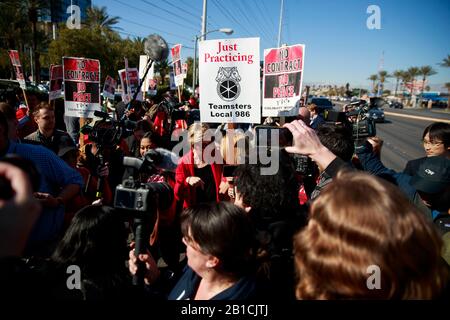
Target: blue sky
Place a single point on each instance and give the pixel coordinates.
(339, 46)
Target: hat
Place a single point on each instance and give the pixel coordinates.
(66, 144)
(433, 175)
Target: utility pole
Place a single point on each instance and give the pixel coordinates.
(380, 68)
(279, 26)
(203, 32)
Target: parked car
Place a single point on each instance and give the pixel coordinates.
(378, 102)
(396, 105)
(322, 103)
(376, 114)
(11, 88)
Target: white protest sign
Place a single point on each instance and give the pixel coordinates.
(143, 60)
(177, 68)
(229, 75)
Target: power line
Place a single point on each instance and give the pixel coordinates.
(153, 15)
(167, 11)
(137, 36)
(181, 9)
(153, 28)
(229, 15)
(267, 18)
(260, 26)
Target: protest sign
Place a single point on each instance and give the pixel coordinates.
(109, 88)
(81, 86)
(56, 79)
(185, 70)
(229, 72)
(152, 87)
(173, 86)
(15, 61)
(143, 61)
(133, 79)
(177, 69)
(282, 81)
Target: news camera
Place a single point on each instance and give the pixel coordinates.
(141, 201)
(107, 131)
(355, 119)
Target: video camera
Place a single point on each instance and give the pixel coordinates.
(137, 197)
(141, 201)
(107, 131)
(355, 118)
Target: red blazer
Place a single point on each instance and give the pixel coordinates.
(183, 191)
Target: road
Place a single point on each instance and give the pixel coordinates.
(402, 135)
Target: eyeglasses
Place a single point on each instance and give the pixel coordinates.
(432, 143)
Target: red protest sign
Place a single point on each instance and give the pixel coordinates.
(109, 88)
(15, 61)
(128, 91)
(56, 79)
(177, 68)
(282, 81)
(81, 86)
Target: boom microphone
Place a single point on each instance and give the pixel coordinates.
(156, 48)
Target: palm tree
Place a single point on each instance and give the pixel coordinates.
(413, 72)
(397, 74)
(97, 17)
(426, 71)
(382, 76)
(406, 79)
(445, 62)
(373, 78)
(163, 68)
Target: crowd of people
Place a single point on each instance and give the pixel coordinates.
(243, 235)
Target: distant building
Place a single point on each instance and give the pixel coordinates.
(58, 10)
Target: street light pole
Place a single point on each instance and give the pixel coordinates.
(194, 73)
(227, 31)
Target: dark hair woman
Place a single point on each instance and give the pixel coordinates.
(96, 243)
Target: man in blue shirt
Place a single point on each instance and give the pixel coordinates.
(59, 184)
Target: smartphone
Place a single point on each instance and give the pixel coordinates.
(228, 171)
(264, 136)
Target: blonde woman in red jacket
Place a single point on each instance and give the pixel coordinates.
(197, 177)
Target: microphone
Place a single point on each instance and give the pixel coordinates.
(162, 159)
(156, 48)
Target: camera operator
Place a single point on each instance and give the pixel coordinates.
(218, 239)
(134, 140)
(102, 155)
(316, 117)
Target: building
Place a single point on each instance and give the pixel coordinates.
(58, 10)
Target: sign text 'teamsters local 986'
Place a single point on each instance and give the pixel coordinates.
(229, 75)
